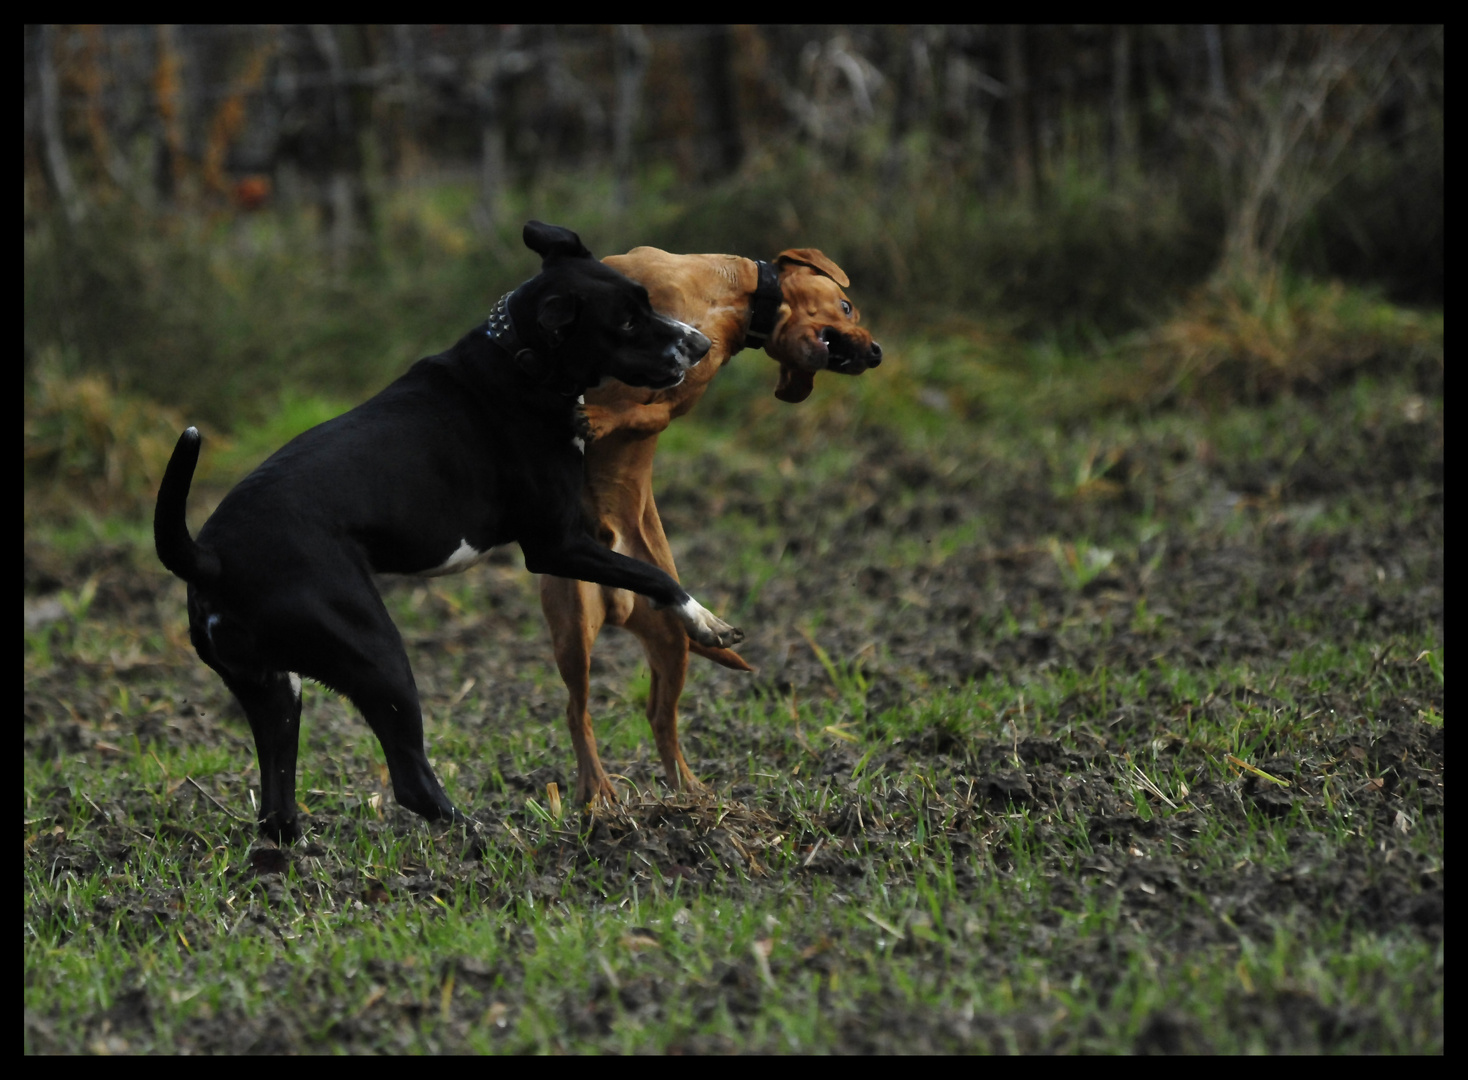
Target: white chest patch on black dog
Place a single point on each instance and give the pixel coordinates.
(457, 563)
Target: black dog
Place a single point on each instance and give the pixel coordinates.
(474, 447)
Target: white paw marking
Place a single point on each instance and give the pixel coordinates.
(703, 625)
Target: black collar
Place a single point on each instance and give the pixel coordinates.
(764, 308)
(501, 330)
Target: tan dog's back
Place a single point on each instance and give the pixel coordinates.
(705, 291)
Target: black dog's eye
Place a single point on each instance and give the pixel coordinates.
(846, 307)
(629, 324)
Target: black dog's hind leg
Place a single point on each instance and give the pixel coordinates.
(272, 704)
(366, 661)
(389, 704)
(341, 635)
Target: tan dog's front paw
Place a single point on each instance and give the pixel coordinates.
(599, 421)
(594, 421)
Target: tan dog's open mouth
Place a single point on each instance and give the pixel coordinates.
(843, 356)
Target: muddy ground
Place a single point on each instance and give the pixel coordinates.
(917, 572)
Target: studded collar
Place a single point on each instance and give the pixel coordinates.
(501, 330)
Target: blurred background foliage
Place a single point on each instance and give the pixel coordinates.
(231, 225)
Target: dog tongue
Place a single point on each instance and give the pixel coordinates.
(794, 385)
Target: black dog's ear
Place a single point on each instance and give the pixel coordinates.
(554, 242)
(555, 314)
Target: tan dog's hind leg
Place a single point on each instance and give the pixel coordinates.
(665, 641)
(666, 644)
(575, 611)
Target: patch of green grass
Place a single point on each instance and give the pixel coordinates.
(1003, 784)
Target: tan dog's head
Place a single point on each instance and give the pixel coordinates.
(816, 329)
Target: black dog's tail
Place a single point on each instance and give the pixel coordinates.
(176, 548)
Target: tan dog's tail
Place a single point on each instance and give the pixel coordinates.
(724, 657)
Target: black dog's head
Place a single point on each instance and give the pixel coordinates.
(587, 322)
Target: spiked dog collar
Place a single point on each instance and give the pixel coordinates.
(764, 309)
(501, 330)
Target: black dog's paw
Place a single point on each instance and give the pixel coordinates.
(705, 627)
(584, 429)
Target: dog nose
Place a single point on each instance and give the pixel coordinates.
(698, 346)
(876, 356)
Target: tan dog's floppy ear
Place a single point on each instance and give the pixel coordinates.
(794, 385)
(817, 261)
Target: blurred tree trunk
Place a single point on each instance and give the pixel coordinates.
(346, 205)
(1213, 46)
(168, 94)
(490, 99)
(723, 144)
(1021, 130)
(96, 82)
(230, 116)
(491, 155)
(56, 160)
(904, 111)
(632, 52)
(500, 57)
(1121, 149)
(406, 119)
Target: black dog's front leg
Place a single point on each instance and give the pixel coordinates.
(583, 559)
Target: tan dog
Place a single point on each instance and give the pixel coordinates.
(794, 308)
